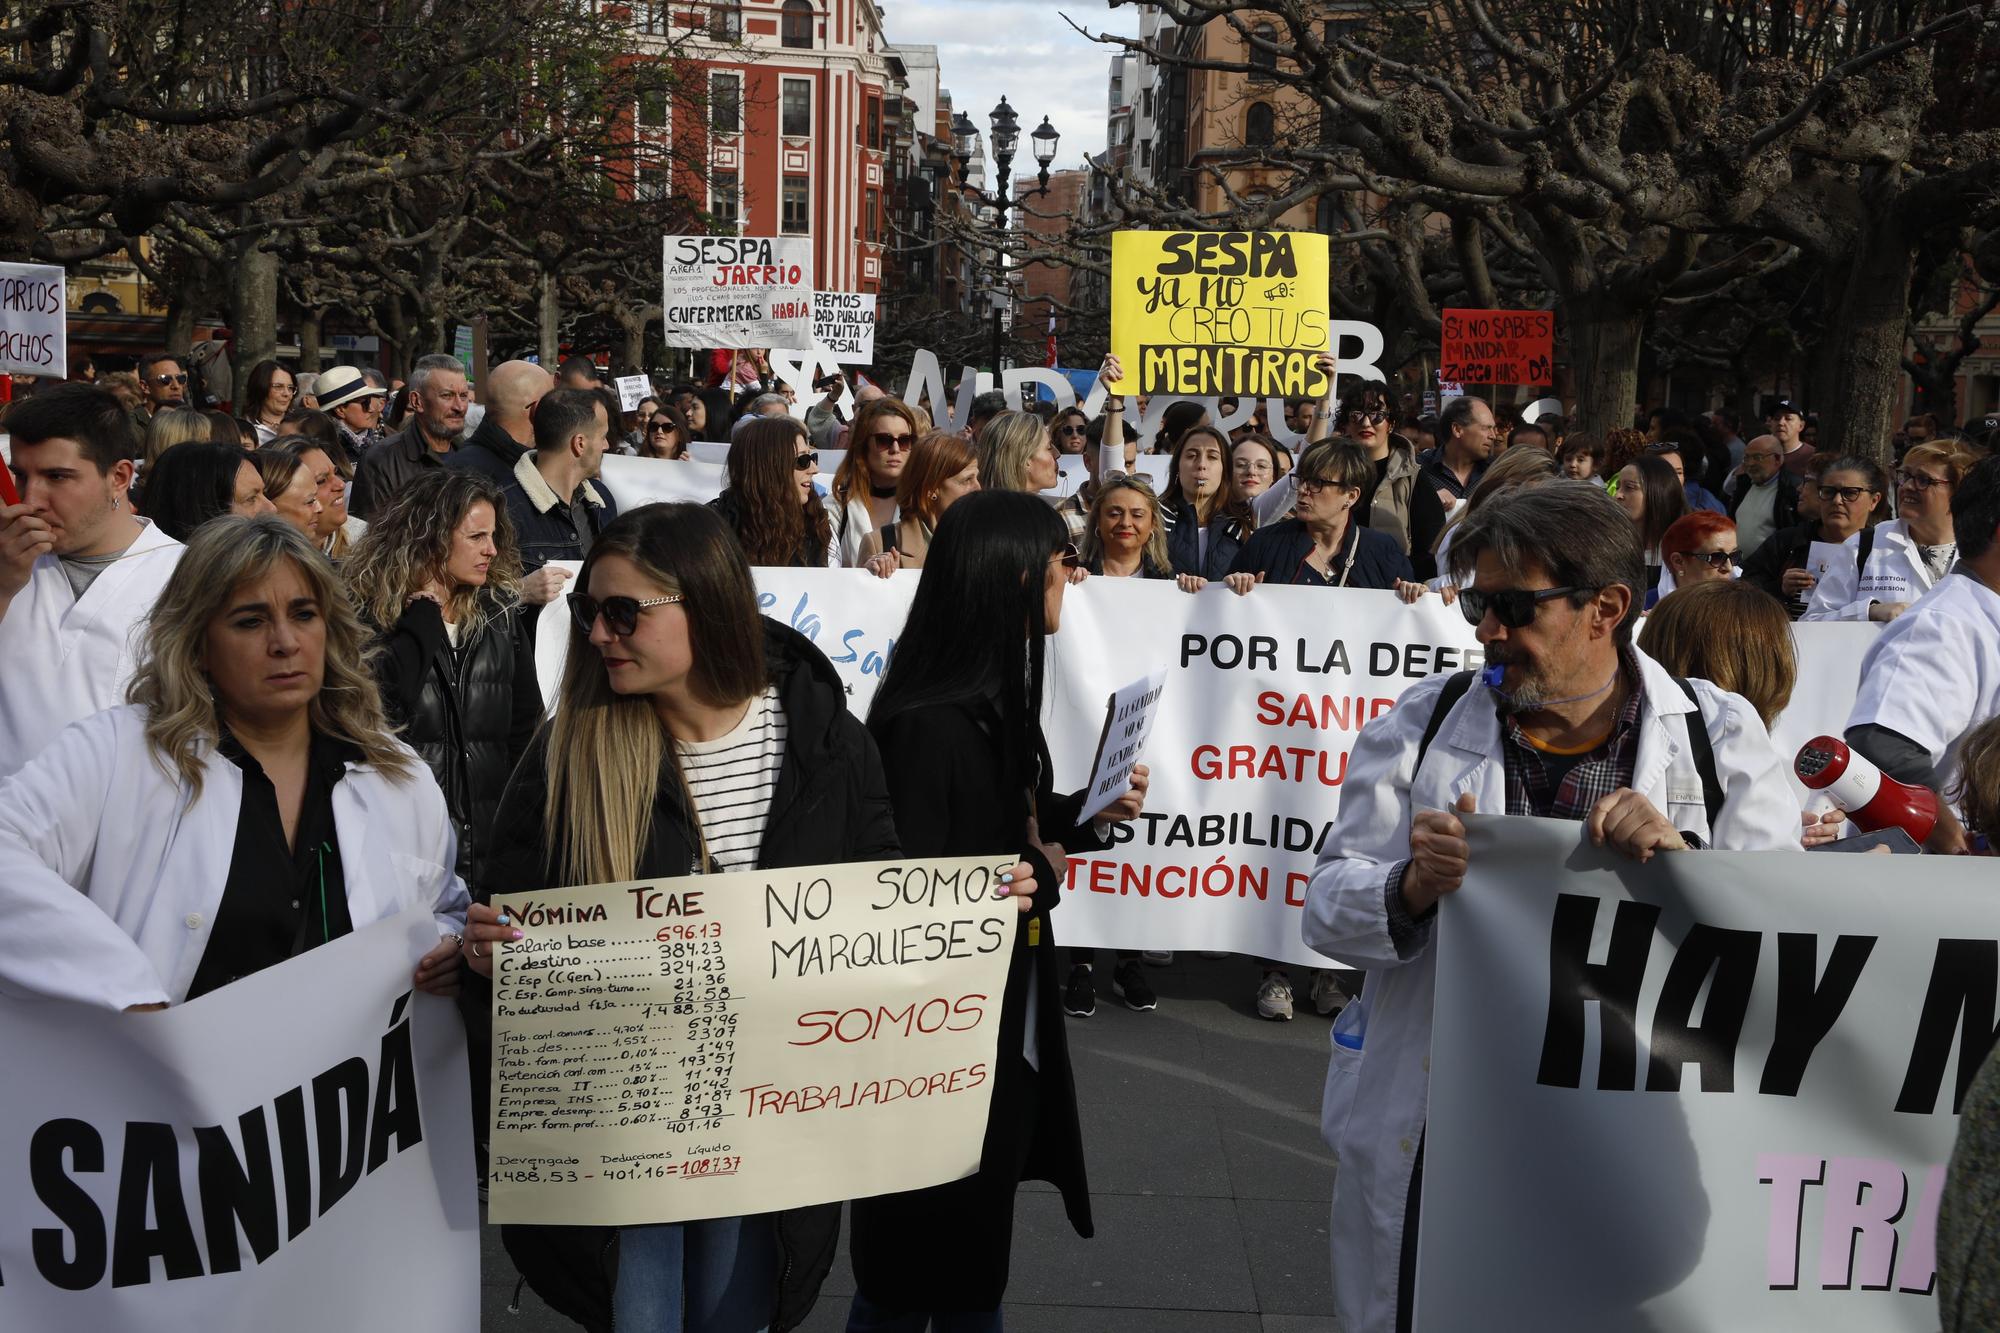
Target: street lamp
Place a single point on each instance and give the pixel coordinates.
(1006, 141)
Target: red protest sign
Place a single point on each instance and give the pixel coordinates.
(1498, 347)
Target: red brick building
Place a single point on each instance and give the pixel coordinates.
(1046, 288)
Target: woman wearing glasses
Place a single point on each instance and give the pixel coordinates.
(958, 722)
(863, 499)
(1323, 547)
(690, 735)
(1845, 499)
(1070, 430)
(267, 396)
(664, 434)
(771, 503)
(1909, 553)
(1696, 548)
(943, 469)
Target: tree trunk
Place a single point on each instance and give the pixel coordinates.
(253, 304)
(545, 343)
(180, 325)
(632, 346)
(1860, 365)
(310, 323)
(1604, 340)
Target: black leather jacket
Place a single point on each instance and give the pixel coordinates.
(469, 711)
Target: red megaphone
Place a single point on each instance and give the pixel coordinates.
(1871, 798)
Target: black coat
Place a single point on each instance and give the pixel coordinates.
(489, 451)
(389, 467)
(1278, 551)
(962, 789)
(830, 806)
(1225, 538)
(469, 712)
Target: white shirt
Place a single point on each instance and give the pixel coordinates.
(1934, 674)
(733, 779)
(1895, 572)
(67, 657)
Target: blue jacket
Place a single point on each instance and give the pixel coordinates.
(1225, 539)
(543, 527)
(1279, 553)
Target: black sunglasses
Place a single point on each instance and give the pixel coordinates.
(621, 614)
(1513, 607)
(1718, 559)
(1362, 414)
(810, 458)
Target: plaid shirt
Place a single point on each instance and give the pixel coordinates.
(1592, 778)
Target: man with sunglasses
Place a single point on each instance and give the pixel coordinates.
(1569, 721)
(166, 379)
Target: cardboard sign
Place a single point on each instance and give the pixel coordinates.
(844, 326)
(1128, 720)
(1729, 1081)
(738, 291)
(1206, 313)
(1498, 347)
(689, 1048)
(633, 390)
(34, 337)
(292, 1151)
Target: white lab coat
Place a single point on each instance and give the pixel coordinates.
(110, 875)
(860, 527)
(1894, 573)
(1377, 1098)
(67, 658)
(1934, 673)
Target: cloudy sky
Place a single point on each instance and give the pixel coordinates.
(1021, 48)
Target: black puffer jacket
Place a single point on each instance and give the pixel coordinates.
(469, 711)
(831, 805)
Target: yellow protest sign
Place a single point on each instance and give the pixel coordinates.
(1206, 313)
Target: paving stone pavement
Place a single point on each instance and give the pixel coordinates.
(1209, 1183)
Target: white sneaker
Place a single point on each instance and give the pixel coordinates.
(1159, 957)
(1327, 996)
(1274, 998)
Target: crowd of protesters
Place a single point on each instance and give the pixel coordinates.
(312, 611)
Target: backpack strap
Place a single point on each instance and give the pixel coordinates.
(1704, 756)
(1861, 553)
(1454, 690)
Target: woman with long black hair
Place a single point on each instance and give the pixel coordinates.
(958, 722)
(690, 735)
(771, 502)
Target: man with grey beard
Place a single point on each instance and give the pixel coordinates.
(1569, 720)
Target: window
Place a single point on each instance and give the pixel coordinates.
(725, 21)
(649, 186)
(652, 16)
(1146, 154)
(1146, 103)
(795, 107)
(723, 197)
(871, 114)
(725, 103)
(795, 25)
(653, 109)
(796, 218)
(1263, 63)
(1259, 126)
(871, 218)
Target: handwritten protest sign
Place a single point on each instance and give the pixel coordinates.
(1729, 1082)
(1128, 720)
(844, 326)
(738, 291)
(292, 1151)
(1235, 312)
(1498, 347)
(689, 1048)
(632, 391)
(33, 334)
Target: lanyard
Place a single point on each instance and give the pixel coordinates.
(1347, 566)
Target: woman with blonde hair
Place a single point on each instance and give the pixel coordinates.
(691, 735)
(437, 575)
(176, 425)
(1124, 538)
(943, 468)
(247, 804)
(1016, 454)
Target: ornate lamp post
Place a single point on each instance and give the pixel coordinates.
(1006, 140)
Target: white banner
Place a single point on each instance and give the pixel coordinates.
(738, 291)
(292, 1152)
(34, 337)
(1265, 695)
(1774, 1163)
